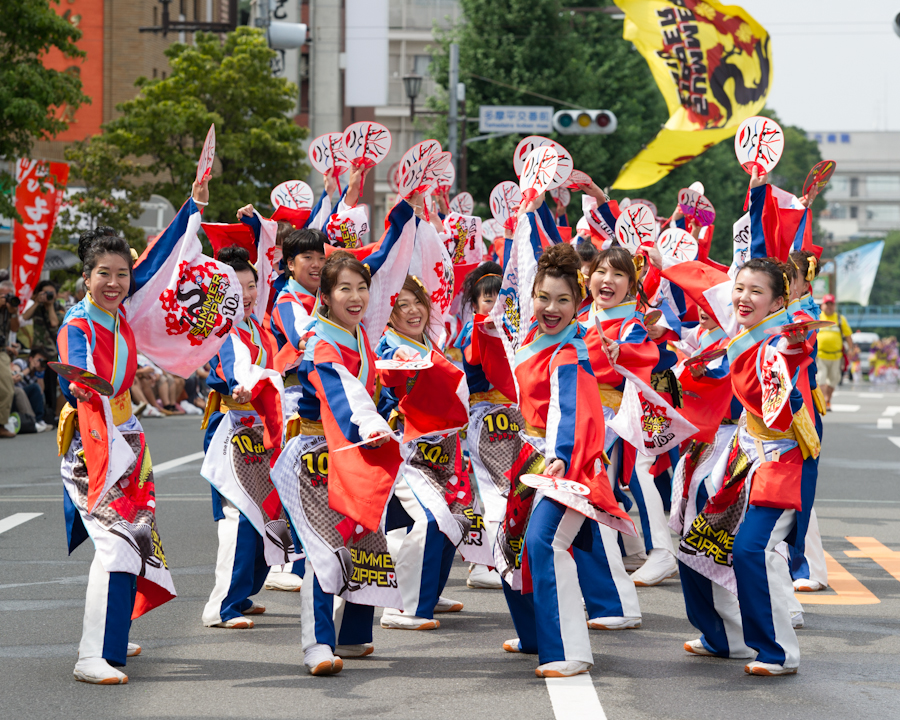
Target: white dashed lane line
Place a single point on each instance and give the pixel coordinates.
(8, 523)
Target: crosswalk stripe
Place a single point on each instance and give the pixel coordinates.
(844, 408)
(8, 523)
(575, 698)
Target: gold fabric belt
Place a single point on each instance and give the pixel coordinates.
(227, 403)
(68, 419)
(495, 397)
(221, 403)
(757, 428)
(297, 425)
(535, 431)
(611, 397)
(802, 431)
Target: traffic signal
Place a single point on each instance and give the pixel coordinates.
(585, 122)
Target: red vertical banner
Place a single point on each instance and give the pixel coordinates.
(39, 193)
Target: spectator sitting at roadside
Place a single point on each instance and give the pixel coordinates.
(9, 323)
(46, 313)
(28, 376)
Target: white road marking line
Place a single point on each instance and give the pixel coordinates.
(874, 396)
(885, 423)
(575, 698)
(12, 521)
(891, 410)
(895, 440)
(169, 464)
(844, 408)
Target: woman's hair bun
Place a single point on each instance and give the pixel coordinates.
(562, 257)
(89, 238)
(232, 253)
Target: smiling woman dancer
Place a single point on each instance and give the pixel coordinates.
(129, 575)
(765, 472)
(433, 511)
(317, 469)
(244, 428)
(563, 415)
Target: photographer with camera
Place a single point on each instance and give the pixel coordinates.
(9, 323)
(46, 313)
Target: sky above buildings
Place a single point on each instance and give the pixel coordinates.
(835, 63)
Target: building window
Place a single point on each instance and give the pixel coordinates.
(854, 187)
(883, 186)
(422, 65)
(839, 185)
(883, 213)
(845, 137)
(854, 212)
(836, 211)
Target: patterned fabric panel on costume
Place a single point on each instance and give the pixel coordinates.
(706, 544)
(237, 465)
(348, 560)
(123, 524)
(435, 474)
(493, 445)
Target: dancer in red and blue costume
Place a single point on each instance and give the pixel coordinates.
(567, 429)
(808, 568)
(480, 293)
(121, 520)
(337, 410)
(252, 531)
(424, 527)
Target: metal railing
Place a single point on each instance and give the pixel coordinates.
(872, 316)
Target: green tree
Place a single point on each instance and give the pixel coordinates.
(109, 197)
(35, 102)
(229, 84)
(565, 49)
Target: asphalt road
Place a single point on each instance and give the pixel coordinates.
(850, 647)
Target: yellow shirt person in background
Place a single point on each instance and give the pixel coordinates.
(832, 342)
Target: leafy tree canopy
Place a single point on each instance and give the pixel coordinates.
(32, 97)
(109, 196)
(231, 85)
(565, 49)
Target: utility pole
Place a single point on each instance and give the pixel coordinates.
(453, 115)
(462, 168)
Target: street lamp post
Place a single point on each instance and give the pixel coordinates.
(412, 84)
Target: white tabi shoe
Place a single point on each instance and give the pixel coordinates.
(320, 660)
(354, 651)
(797, 620)
(278, 580)
(562, 668)
(634, 562)
(255, 609)
(660, 566)
(614, 623)
(806, 585)
(513, 646)
(98, 672)
(133, 650)
(696, 647)
(393, 619)
(446, 605)
(761, 668)
(483, 578)
(238, 623)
